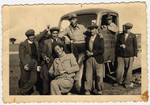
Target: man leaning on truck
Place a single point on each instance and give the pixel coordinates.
(76, 33)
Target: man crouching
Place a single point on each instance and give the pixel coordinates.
(63, 70)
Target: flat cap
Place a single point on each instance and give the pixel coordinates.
(93, 26)
(72, 15)
(55, 29)
(30, 32)
(128, 25)
(109, 17)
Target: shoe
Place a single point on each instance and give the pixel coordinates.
(116, 84)
(87, 93)
(18, 92)
(69, 93)
(128, 85)
(99, 93)
(131, 85)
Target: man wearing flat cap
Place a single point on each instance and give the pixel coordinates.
(75, 32)
(56, 39)
(94, 61)
(29, 61)
(110, 25)
(126, 51)
(49, 43)
(48, 56)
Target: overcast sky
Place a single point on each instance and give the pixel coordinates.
(18, 19)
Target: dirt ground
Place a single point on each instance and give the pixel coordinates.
(14, 76)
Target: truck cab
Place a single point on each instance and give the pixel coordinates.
(87, 17)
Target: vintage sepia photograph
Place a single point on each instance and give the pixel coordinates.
(83, 51)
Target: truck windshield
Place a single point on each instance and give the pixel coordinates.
(84, 19)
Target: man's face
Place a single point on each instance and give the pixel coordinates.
(127, 30)
(55, 34)
(31, 38)
(109, 21)
(93, 31)
(58, 50)
(73, 21)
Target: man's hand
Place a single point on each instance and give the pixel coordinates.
(48, 27)
(88, 53)
(123, 45)
(104, 27)
(134, 58)
(38, 68)
(61, 72)
(47, 59)
(26, 67)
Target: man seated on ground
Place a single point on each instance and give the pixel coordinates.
(63, 70)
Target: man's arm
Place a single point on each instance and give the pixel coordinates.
(41, 35)
(84, 29)
(112, 27)
(74, 65)
(135, 45)
(45, 53)
(22, 53)
(118, 41)
(51, 70)
(64, 33)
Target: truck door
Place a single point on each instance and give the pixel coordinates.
(109, 37)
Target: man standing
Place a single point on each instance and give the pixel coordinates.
(29, 59)
(56, 39)
(94, 62)
(48, 56)
(48, 52)
(126, 49)
(110, 25)
(76, 33)
(63, 70)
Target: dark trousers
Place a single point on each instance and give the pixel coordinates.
(44, 74)
(28, 78)
(124, 70)
(94, 75)
(78, 48)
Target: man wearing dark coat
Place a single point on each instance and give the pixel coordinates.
(48, 56)
(29, 61)
(126, 50)
(94, 62)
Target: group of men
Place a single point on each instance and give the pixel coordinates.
(48, 55)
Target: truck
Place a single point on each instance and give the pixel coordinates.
(98, 16)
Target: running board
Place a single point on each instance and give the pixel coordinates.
(113, 78)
